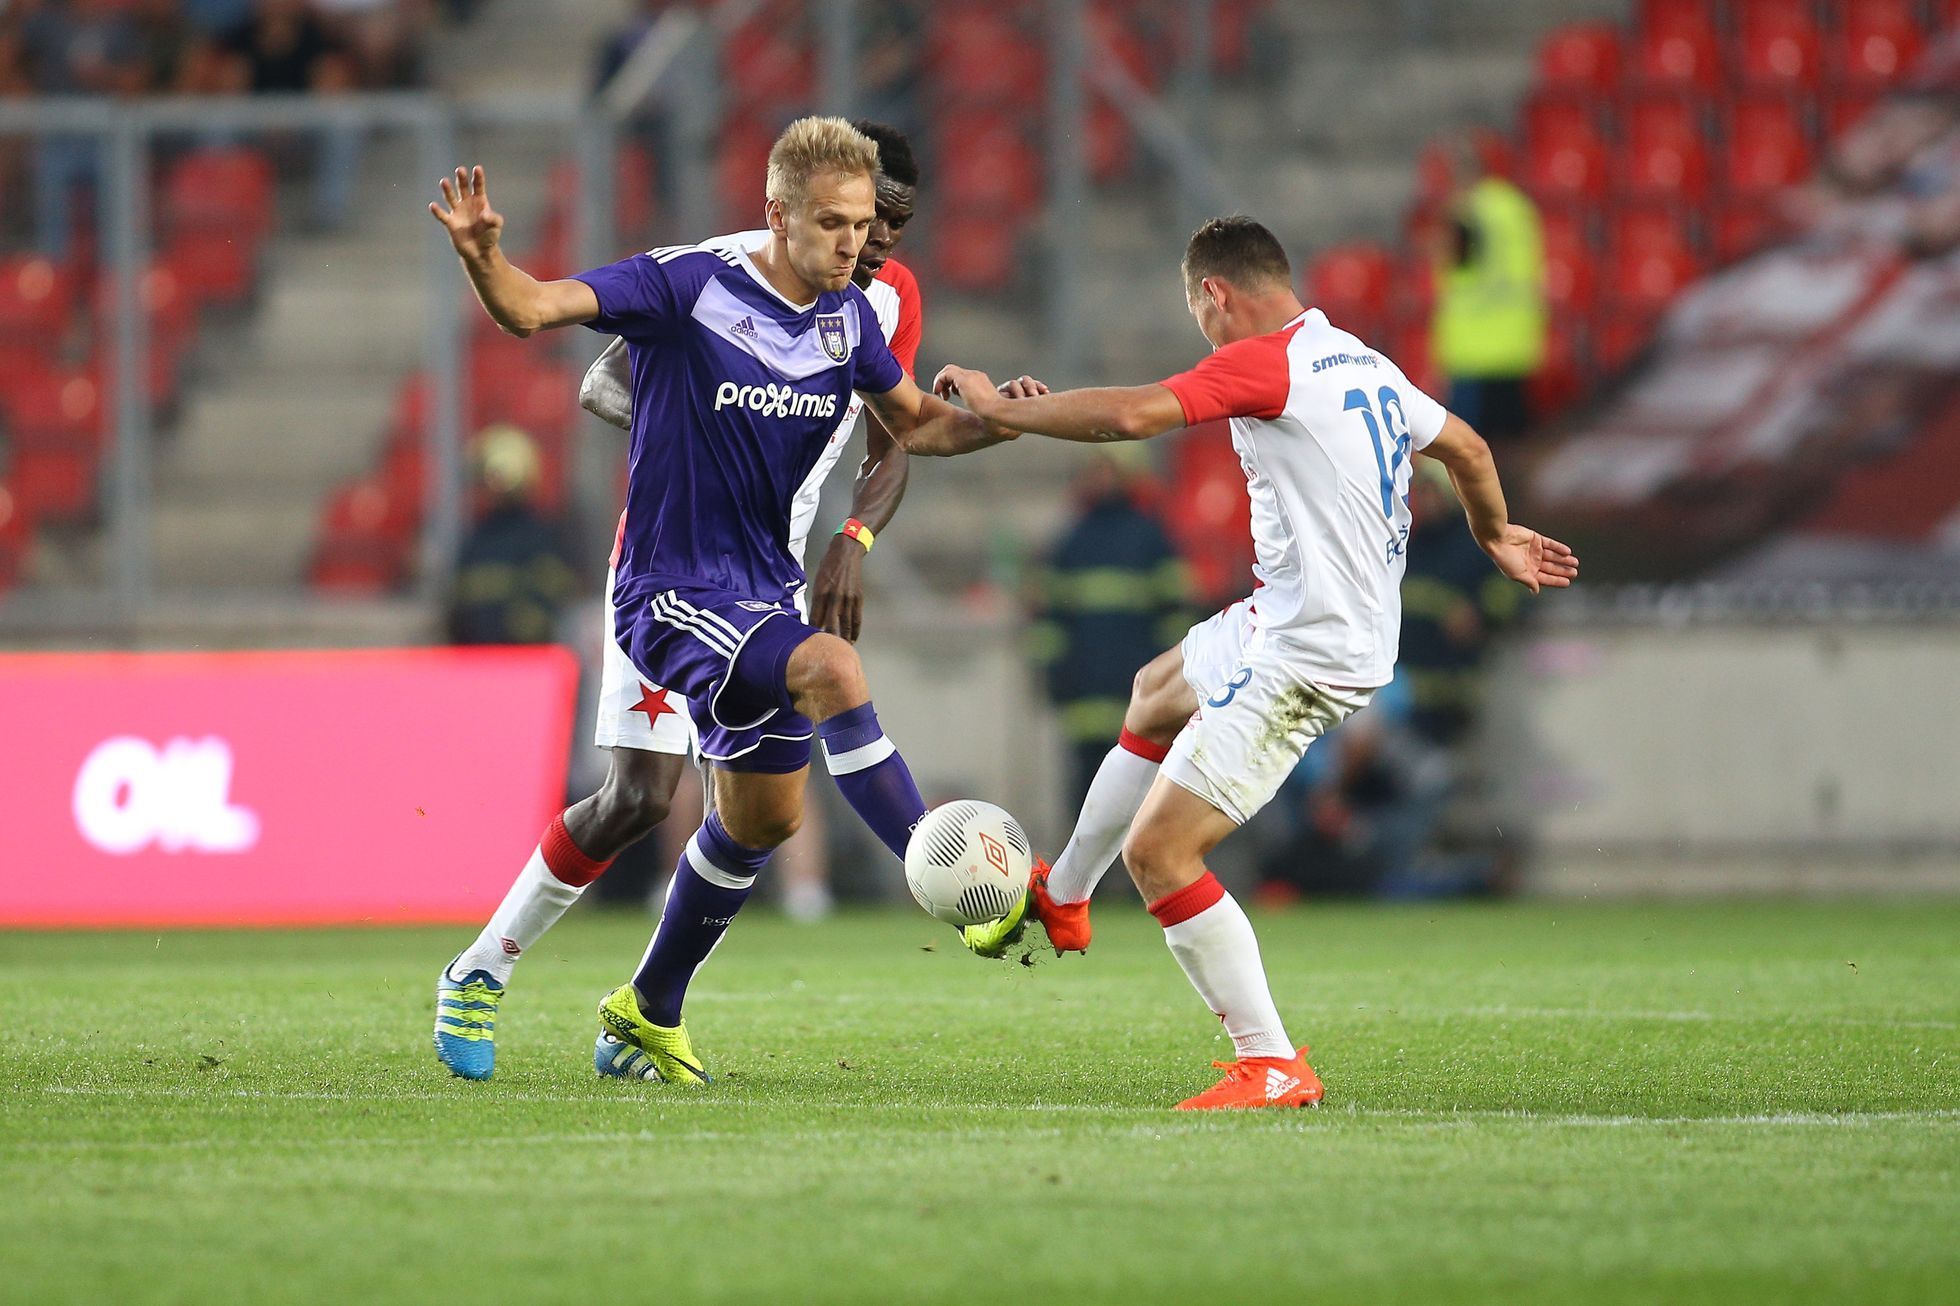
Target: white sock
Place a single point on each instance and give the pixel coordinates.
(533, 905)
(1116, 793)
(1211, 938)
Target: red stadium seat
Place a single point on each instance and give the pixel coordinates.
(1112, 146)
(1767, 150)
(1351, 283)
(635, 192)
(57, 404)
(228, 191)
(1663, 156)
(1617, 340)
(1741, 228)
(370, 508)
(218, 268)
(1583, 58)
(1571, 281)
(1876, 43)
(36, 297)
(980, 55)
(1410, 346)
(54, 479)
(1776, 44)
(367, 537)
(1675, 44)
(975, 251)
(1208, 511)
(740, 161)
(994, 168)
(1651, 260)
(16, 537)
(1560, 382)
(1113, 37)
(767, 66)
(1846, 110)
(1565, 153)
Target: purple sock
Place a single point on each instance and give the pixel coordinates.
(710, 885)
(872, 776)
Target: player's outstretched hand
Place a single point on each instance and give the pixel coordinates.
(955, 382)
(1533, 560)
(474, 227)
(1021, 387)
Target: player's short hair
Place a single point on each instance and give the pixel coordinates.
(894, 151)
(810, 147)
(1235, 249)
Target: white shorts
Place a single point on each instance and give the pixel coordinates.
(633, 711)
(1256, 714)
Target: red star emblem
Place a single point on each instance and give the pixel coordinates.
(653, 703)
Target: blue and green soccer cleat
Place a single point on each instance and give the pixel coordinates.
(632, 1047)
(466, 1022)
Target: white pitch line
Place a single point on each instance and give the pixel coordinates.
(1393, 1116)
(1499, 1012)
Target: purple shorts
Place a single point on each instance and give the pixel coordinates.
(729, 654)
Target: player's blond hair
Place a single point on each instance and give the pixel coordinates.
(810, 147)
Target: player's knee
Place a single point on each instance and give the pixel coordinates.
(1157, 707)
(630, 806)
(761, 829)
(826, 672)
(1147, 857)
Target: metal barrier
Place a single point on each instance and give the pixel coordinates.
(408, 142)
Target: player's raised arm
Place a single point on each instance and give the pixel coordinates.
(607, 389)
(1095, 416)
(1532, 560)
(517, 301)
(927, 425)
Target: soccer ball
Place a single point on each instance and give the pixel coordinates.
(968, 862)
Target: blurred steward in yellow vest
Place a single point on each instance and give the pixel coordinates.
(1489, 331)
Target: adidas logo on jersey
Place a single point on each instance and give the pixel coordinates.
(774, 400)
(746, 327)
(1279, 1083)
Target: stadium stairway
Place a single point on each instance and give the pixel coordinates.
(296, 399)
(293, 399)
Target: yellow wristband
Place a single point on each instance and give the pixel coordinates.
(858, 531)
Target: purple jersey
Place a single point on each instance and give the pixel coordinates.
(735, 393)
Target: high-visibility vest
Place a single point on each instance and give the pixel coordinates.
(1490, 310)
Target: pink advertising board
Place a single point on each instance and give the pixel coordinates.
(360, 787)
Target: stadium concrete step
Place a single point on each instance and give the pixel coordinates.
(296, 399)
(252, 542)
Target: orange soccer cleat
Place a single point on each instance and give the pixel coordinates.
(1067, 923)
(1259, 1081)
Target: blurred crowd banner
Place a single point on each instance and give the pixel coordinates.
(191, 789)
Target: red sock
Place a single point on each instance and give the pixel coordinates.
(563, 858)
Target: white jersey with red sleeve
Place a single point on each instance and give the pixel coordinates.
(1326, 428)
(894, 296)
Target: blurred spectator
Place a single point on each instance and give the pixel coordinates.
(1112, 596)
(179, 57)
(83, 47)
(513, 576)
(618, 45)
(282, 47)
(1368, 805)
(1488, 335)
(380, 38)
(1453, 600)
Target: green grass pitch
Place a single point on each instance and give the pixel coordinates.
(1558, 1103)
